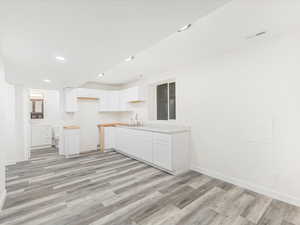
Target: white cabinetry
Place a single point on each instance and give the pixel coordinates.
(104, 104)
(70, 100)
(109, 101)
(123, 140)
(162, 150)
(112, 101)
(169, 152)
(143, 145)
(134, 94)
(71, 142)
(123, 103)
(87, 93)
(109, 137)
(41, 136)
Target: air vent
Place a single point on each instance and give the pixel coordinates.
(257, 35)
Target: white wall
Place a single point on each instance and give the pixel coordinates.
(7, 140)
(15, 143)
(9, 125)
(2, 132)
(243, 109)
(19, 153)
(52, 113)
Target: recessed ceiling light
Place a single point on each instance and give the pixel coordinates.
(47, 80)
(101, 75)
(60, 58)
(129, 58)
(184, 28)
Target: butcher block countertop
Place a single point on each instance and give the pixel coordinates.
(101, 132)
(111, 124)
(71, 127)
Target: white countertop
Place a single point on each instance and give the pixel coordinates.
(168, 129)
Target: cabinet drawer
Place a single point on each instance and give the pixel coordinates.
(162, 155)
(162, 138)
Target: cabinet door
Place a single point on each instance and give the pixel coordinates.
(162, 151)
(142, 145)
(87, 93)
(82, 92)
(122, 142)
(115, 101)
(109, 137)
(123, 103)
(71, 142)
(109, 101)
(104, 101)
(118, 138)
(134, 94)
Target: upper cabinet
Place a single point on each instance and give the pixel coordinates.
(134, 94)
(88, 93)
(70, 100)
(109, 100)
(123, 103)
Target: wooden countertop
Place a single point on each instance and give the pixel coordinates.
(71, 127)
(110, 124)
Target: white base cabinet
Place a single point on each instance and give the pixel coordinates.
(162, 150)
(169, 152)
(142, 145)
(71, 142)
(109, 137)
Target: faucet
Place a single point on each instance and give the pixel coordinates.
(137, 121)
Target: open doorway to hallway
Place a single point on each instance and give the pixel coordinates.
(45, 118)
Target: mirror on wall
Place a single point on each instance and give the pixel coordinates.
(37, 104)
(37, 108)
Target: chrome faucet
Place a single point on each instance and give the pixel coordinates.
(136, 121)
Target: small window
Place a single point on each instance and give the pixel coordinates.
(166, 101)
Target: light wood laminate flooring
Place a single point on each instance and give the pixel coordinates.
(112, 189)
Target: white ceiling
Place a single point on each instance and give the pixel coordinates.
(94, 36)
(220, 33)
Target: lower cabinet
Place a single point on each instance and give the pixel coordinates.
(71, 142)
(109, 138)
(162, 150)
(169, 152)
(142, 145)
(122, 140)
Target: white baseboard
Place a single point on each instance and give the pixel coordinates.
(2, 198)
(40, 147)
(253, 187)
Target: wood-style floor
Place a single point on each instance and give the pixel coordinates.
(109, 188)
